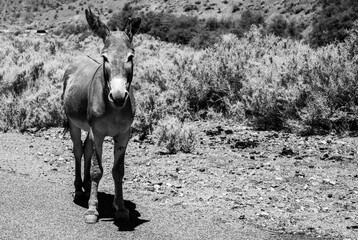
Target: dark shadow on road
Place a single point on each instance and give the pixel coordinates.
(107, 212)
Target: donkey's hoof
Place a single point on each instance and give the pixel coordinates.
(122, 214)
(91, 218)
(77, 196)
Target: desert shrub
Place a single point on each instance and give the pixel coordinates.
(294, 30)
(190, 7)
(31, 89)
(186, 29)
(8, 111)
(119, 19)
(175, 135)
(331, 78)
(332, 21)
(204, 39)
(267, 81)
(147, 116)
(278, 26)
(188, 139)
(249, 18)
(78, 28)
(236, 8)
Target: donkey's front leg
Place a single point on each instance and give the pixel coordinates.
(77, 151)
(120, 145)
(91, 215)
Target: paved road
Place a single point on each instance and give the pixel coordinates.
(36, 209)
(36, 203)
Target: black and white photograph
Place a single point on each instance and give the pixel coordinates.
(179, 119)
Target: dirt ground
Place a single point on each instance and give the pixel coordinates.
(238, 184)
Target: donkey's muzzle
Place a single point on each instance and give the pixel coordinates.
(118, 99)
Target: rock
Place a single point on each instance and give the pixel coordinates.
(178, 203)
(324, 156)
(267, 164)
(156, 187)
(287, 151)
(229, 131)
(149, 188)
(299, 174)
(57, 152)
(325, 209)
(202, 169)
(329, 181)
(157, 183)
(263, 214)
(315, 184)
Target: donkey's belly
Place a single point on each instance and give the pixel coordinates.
(80, 123)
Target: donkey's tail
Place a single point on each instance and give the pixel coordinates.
(66, 126)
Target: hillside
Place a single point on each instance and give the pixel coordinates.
(50, 13)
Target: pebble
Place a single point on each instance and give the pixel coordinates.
(315, 183)
(263, 214)
(229, 131)
(150, 188)
(329, 181)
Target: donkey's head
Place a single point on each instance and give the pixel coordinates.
(117, 55)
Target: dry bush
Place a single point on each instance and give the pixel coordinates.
(175, 135)
(31, 81)
(268, 81)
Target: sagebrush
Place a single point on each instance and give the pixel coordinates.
(267, 81)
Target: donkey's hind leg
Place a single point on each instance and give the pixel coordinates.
(75, 133)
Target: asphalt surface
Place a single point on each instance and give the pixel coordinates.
(35, 209)
(36, 203)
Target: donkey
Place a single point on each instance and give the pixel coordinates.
(98, 99)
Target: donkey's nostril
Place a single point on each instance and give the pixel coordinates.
(111, 97)
(125, 95)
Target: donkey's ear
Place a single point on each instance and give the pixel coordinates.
(132, 26)
(96, 25)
